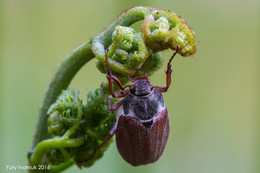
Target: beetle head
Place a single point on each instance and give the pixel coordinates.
(141, 87)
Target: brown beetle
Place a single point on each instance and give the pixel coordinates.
(142, 128)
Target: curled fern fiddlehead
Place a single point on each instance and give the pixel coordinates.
(163, 30)
(128, 54)
(76, 129)
(63, 114)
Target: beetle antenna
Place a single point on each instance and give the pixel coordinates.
(109, 69)
(130, 79)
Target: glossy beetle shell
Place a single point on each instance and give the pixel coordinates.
(141, 144)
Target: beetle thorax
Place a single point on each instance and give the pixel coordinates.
(143, 107)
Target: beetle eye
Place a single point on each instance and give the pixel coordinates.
(151, 87)
(132, 90)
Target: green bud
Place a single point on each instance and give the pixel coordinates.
(168, 30)
(63, 113)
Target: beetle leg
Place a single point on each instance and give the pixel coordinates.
(109, 136)
(115, 106)
(120, 94)
(112, 78)
(168, 74)
(118, 104)
(130, 79)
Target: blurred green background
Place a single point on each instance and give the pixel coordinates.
(213, 103)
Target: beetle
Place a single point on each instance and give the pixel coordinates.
(142, 127)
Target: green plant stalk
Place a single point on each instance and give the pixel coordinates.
(62, 166)
(47, 144)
